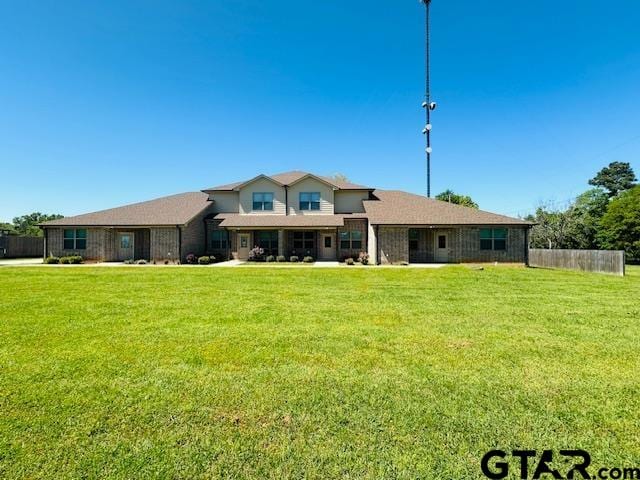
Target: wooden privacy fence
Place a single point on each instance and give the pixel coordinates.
(13, 246)
(601, 261)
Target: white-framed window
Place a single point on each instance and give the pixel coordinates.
(263, 201)
(75, 239)
(309, 200)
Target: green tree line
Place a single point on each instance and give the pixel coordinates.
(28, 224)
(605, 217)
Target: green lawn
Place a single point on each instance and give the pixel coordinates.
(145, 372)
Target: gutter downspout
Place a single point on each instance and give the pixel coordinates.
(377, 230)
(46, 242)
(526, 245)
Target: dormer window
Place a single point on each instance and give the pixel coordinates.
(263, 201)
(309, 200)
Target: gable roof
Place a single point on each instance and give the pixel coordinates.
(173, 210)
(395, 207)
(289, 178)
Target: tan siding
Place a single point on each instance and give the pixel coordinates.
(350, 201)
(311, 185)
(262, 185)
(225, 202)
(372, 245)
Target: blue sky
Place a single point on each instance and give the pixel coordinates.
(107, 103)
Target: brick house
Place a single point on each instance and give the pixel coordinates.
(293, 213)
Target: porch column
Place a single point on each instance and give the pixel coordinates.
(281, 242)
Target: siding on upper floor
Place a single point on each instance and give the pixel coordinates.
(262, 185)
(225, 202)
(348, 201)
(311, 185)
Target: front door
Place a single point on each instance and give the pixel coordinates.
(243, 246)
(441, 247)
(327, 249)
(125, 246)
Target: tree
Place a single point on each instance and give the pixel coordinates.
(452, 197)
(28, 224)
(551, 230)
(340, 177)
(620, 225)
(7, 227)
(585, 215)
(615, 178)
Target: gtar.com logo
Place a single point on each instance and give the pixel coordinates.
(530, 465)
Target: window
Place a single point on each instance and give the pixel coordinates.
(442, 241)
(125, 241)
(268, 241)
(263, 201)
(75, 239)
(327, 241)
(219, 240)
(493, 239)
(414, 236)
(351, 240)
(304, 240)
(309, 201)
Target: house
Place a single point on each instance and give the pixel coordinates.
(292, 213)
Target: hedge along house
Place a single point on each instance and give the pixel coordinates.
(292, 213)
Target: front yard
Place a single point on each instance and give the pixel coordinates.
(318, 373)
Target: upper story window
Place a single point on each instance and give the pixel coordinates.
(263, 201)
(493, 239)
(309, 200)
(75, 239)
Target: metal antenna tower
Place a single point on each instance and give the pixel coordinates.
(428, 105)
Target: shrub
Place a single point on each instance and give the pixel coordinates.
(281, 259)
(75, 259)
(349, 261)
(130, 261)
(363, 258)
(192, 259)
(51, 260)
(308, 259)
(65, 260)
(204, 260)
(141, 262)
(294, 259)
(270, 259)
(256, 254)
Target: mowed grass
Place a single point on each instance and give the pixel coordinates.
(188, 373)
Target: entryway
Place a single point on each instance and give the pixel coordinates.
(441, 247)
(327, 250)
(244, 240)
(125, 246)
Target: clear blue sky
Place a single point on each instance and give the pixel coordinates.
(107, 103)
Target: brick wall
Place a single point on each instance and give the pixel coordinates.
(95, 244)
(393, 244)
(164, 243)
(349, 226)
(193, 235)
(465, 243)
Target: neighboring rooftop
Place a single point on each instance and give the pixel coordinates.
(395, 207)
(172, 210)
(288, 178)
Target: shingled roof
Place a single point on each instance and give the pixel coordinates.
(173, 210)
(395, 207)
(288, 178)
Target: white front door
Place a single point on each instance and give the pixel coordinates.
(441, 247)
(125, 246)
(327, 250)
(244, 240)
